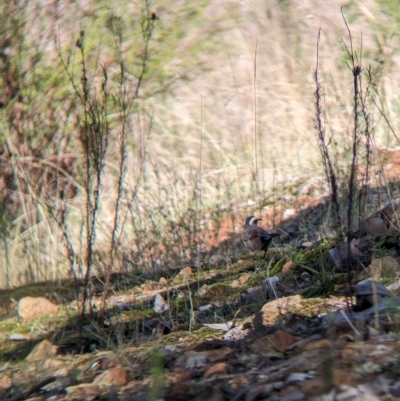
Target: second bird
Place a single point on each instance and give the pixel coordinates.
(256, 238)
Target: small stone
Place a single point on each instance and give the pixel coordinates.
(115, 377)
(374, 226)
(216, 260)
(159, 304)
(288, 213)
(196, 360)
(205, 308)
(220, 368)
(273, 309)
(30, 307)
(203, 290)
(395, 389)
(186, 272)
(384, 264)
(163, 281)
(85, 391)
(296, 377)
(290, 231)
(149, 286)
(241, 280)
(287, 267)
(53, 365)
(19, 337)
(43, 350)
(253, 294)
(5, 382)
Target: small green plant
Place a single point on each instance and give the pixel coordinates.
(157, 372)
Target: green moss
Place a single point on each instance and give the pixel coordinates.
(222, 293)
(340, 278)
(277, 268)
(64, 290)
(312, 255)
(139, 313)
(313, 306)
(256, 279)
(196, 336)
(317, 290)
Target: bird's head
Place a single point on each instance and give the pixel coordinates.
(251, 221)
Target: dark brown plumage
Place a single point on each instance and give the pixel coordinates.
(256, 238)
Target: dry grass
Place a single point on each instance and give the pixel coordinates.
(192, 147)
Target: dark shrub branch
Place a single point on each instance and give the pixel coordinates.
(323, 143)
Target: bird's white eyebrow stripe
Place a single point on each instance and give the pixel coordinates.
(252, 220)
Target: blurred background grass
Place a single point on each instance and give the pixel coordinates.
(222, 121)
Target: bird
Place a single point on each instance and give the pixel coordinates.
(256, 238)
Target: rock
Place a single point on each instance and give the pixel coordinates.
(150, 286)
(359, 250)
(115, 377)
(5, 382)
(271, 310)
(270, 287)
(391, 213)
(338, 256)
(122, 306)
(30, 307)
(203, 290)
(361, 392)
(288, 213)
(273, 344)
(260, 392)
(295, 397)
(156, 327)
(297, 377)
(43, 350)
(219, 326)
(290, 230)
(381, 266)
(192, 359)
(395, 286)
(362, 245)
(159, 304)
(240, 281)
(369, 291)
(238, 333)
(186, 272)
(196, 360)
(395, 389)
(217, 260)
(84, 391)
(105, 361)
(54, 365)
(163, 281)
(261, 293)
(61, 381)
(253, 295)
(112, 395)
(373, 226)
(205, 308)
(220, 368)
(19, 337)
(192, 391)
(287, 267)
